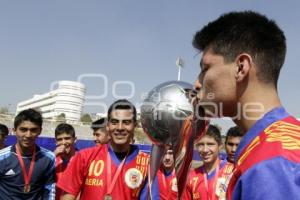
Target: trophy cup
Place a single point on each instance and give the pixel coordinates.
(168, 117)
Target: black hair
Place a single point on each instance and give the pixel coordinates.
(64, 128)
(234, 131)
(100, 123)
(29, 115)
(246, 32)
(215, 133)
(123, 104)
(3, 130)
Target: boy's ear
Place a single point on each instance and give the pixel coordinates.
(243, 64)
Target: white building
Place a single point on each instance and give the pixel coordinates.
(68, 98)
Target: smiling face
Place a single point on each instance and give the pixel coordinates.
(26, 134)
(218, 85)
(120, 128)
(67, 140)
(208, 149)
(100, 136)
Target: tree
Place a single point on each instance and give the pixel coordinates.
(61, 118)
(4, 110)
(140, 136)
(86, 118)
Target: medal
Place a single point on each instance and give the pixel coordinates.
(107, 197)
(221, 188)
(26, 188)
(26, 175)
(112, 182)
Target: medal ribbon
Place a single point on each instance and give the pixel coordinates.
(214, 182)
(27, 177)
(118, 171)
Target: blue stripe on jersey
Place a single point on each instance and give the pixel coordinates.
(12, 181)
(47, 153)
(4, 153)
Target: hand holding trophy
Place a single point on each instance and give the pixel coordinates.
(168, 117)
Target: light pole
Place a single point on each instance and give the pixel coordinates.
(179, 64)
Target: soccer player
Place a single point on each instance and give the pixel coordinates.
(3, 135)
(242, 55)
(232, 141)
(65, 139)
(165, 184)
(112, 171)
(211, 179)
(27, 171)
(99, 131)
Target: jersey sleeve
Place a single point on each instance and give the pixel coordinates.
(49, 188)
(155, 188)
(279, 177)
(73, 176)
(144, 194)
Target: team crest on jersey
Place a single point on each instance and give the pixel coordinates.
(174, 185)
(133, 178)
(221, 188)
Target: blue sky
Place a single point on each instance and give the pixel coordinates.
(131, 41)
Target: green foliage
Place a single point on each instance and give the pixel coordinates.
(61, 118)
(86, 118)
(4, 110)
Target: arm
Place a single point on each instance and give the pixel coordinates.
(67, 196)
(187, 194)
(49, 187)
(73, 177)
(59, 150)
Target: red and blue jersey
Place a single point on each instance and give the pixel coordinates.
(42, 182)
(60, 166)
(212, 187)
(164, 186)
(87, 173)
(268, 160)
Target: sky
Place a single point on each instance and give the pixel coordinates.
(131, 44)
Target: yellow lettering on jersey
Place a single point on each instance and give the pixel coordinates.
(94, 182)
(138, 160)
(96, 168)
(141, 168)
(194, 183)
(99, 166)
(196, 195)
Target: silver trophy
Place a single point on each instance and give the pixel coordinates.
(168, 117)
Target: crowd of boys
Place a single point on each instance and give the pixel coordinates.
(113, 169)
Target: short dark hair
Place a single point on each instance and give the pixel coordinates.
(100, 123)
(234, 131)
(29, 115)
(64, 128)
(123, 104)
(246, 32)
(214, 132)
(3, 130)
